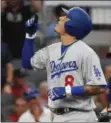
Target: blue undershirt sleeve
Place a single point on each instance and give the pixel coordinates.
(27, 53)
(77, 90)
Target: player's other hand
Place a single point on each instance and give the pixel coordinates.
(57, 93)
(32, 25)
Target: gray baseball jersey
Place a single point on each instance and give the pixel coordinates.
(78, 63)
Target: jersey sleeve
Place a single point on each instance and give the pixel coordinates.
(39, 59)
(92, 71)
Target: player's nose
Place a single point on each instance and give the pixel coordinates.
(62, 18)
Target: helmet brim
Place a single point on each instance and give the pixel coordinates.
(65, 11)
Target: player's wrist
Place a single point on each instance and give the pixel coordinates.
(28, 36)
(78, 91)
(68, 90)
(75, 91)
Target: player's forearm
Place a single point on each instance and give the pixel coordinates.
(27, 52)
(95, 90)
(85, 90)
(88, 90)
(28, 48)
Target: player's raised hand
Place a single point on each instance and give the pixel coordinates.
(32, 25)
(57, 93)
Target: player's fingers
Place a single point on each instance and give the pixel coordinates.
(36, 17)
(30, 22)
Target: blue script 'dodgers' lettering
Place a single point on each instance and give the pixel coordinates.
(58, 68)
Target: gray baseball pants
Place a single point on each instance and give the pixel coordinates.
(76, 116)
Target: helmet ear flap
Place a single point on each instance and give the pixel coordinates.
(71, 30)
(76, 30)
(68, 27)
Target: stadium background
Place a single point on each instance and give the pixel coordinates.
(99, 39)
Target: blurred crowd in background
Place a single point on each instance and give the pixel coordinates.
(15, 81)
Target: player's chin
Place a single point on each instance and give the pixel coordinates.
(57, 29)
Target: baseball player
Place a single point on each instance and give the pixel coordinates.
(74, 73)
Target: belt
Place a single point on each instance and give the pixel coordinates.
(60, 111)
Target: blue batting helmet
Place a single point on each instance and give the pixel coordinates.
(79, 24)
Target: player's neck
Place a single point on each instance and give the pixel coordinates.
(67, 39)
